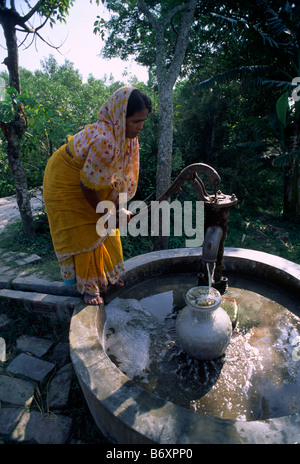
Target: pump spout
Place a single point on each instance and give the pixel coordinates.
(211, 244)
(212, 257)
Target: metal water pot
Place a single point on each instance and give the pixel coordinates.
(203, 328)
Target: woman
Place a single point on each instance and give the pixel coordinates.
(97, 164)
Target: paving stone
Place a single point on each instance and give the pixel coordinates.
(9, 419)
(5, 278)
(3, 273)
(60, 386)
(27, 260)
(44, 429)
(31, 367)
(35, 345)
(5, 321)
(8, 255)
(20, 259)
(61, 354)
(16, 391)
(53, 307)
(35, 284)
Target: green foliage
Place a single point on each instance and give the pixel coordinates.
(12, 100)
(99, 27)
(264, 232)
(55, 10)
(6, 181)
(56, 104)
(210, 127)
(241, 129)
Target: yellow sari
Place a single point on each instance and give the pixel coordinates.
(103, 159)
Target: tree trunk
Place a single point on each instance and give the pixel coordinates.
(165, 139)
(20, 180)
(15, 129)
(291, 205)
(166, 78)
(164, 156)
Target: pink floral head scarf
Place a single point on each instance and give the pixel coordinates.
(109, 158)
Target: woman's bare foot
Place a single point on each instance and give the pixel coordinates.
(120, 283)
(92, 299)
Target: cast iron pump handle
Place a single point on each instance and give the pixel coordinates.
(190, 174)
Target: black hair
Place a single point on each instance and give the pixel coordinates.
(138, 101)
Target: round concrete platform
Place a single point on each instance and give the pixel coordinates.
(128, 414)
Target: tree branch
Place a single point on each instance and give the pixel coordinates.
(182, 39)
(159, 38)
(42, 25)
(32, 11)
(144, 9)
(172, 13)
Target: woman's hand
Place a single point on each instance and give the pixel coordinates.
(123, 217)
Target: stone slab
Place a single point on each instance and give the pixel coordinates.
(27, 260)
(9, 419)
(5, 321)
(35, 345)
(61, 354)
(59, 390)
(6, 276)
(48, 306)
(13, 258)
(44, 429)
(16, 391)
(6, 255)
(31, 367)
(35, 284)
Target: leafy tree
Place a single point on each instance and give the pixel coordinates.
(267, 40)
(14, 125)
(60, 104)
(157, 33)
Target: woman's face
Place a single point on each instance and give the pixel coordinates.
(135, 123)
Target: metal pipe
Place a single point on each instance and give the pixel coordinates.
(211, 244)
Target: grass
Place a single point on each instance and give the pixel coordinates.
(13, 239)
(265, 232)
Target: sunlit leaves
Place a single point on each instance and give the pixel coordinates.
(55, 10)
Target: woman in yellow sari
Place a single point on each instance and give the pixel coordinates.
(97, 164)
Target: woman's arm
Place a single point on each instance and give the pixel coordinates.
(91, 196)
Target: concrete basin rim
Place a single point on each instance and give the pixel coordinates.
(107, 370)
